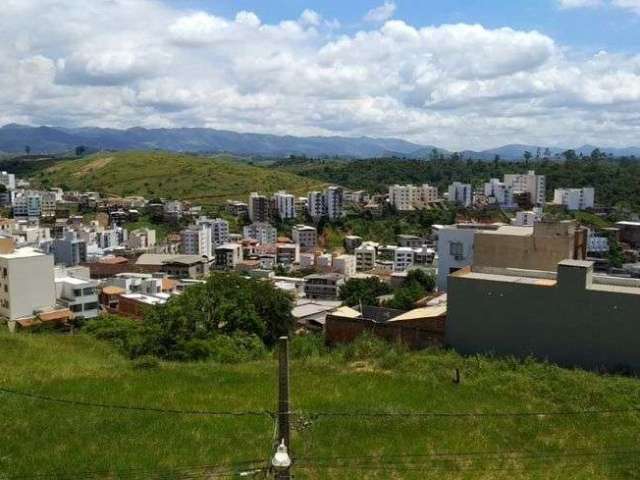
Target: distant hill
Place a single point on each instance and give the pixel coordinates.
(178, 176)
(52, 140)
(14, 138)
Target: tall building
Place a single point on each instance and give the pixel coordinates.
(285, 205)
(219, 229)
(27, 205)
(70, 250)
(403, 259)
(305, 237)
(26, 282)
(196, 240)
(263, 233)
(403, 197)
(461, 193)
(499, 193)
(8, 180)
(530, 183)
(574, 198)
(259, 208)
(334, 201)
(315, 205)
(366, 257)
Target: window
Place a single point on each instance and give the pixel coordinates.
(88, 291)
(76, 308)
(6, 288)
(456, 250)
(91, 306)
(77, 292)
(4, 272)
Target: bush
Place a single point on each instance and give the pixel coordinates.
(122, 332)
(237, 348)
(146, 362)
(307, 346)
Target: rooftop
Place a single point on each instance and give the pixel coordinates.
(24, 252)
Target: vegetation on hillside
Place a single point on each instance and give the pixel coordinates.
(170, 175)
(59, 440)
(615, 180)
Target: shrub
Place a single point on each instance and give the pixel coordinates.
(122, 332)
(146, 362)
(236, 348)
(366, 347)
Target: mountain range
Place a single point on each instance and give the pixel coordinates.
(54, 140)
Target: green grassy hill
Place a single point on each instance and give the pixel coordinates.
(46, 439)
(177, 176)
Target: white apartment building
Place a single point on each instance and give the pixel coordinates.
(403, 259)
(499, 193)
(219, 229)
(455, 251)
(27, 205)
(534, 185)
(345, 264)
(366, 257)
(574, 198)
(526, 218)
(315, 205)
(263, 233)
(334, 202)
(77, 292)
(144, 283)
(305, 237)
(8, 180)
(285, 205)
(461, 193)
(26, 283)
(196, 240)
(410, 197)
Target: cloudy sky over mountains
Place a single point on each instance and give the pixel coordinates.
(456, 76)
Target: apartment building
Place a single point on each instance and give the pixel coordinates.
(285, 205)
(403, 259)
(26, 282)
(499, 193)
(323, 286)
(629, 233)
(8, 180)
(455, 249)
(334, 202)
(77, 292)
(461, 194)
(228, 256)
(196, 240)
(305, 237)
(366, 257)
(410, 197)
(141, 239)
(530, 183)
(259, 208)
(287, 253)
(315, 205)
(571, 317)
(526, 218)
(263, 233)
(237, 209)
(70, 250)
(219, 229)
(574, 198)
(345, 265)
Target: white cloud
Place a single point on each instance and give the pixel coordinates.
(633, 5)
(381, 13)
(569, 4)
(136, 62)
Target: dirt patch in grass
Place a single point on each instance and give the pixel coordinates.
(90, 167)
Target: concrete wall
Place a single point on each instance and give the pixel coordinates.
(571, 323)
(30, 284)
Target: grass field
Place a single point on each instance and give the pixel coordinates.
(43, 439)
(178, 176)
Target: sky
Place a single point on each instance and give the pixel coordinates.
(457, 74)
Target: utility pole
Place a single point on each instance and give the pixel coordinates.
(284, 412)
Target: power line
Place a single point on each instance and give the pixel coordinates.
(81, 403)
(381, 414)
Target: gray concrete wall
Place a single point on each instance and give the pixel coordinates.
(566, 324)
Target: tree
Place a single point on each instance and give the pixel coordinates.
(80, 150)
(616, 255)
(570, 155)
(27, 149)
(363, 290)
(527, 156)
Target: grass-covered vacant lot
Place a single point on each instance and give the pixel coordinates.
(44, 439)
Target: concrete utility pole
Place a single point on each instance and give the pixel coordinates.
(284, 412)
